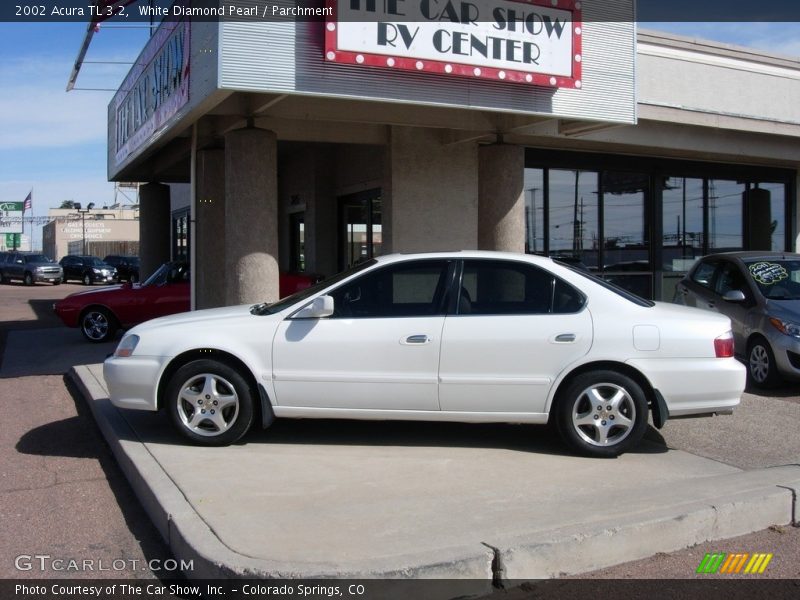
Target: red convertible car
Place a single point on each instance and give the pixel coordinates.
(100, 313)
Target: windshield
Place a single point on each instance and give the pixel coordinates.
(159, 276)
(95, 262)
(776, 279)
(276, 307)
(37, 258)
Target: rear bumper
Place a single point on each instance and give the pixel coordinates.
(698, 386)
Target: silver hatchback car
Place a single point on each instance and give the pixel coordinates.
(760, 292)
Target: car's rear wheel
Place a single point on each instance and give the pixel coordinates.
(87, 279)
(98, 325)
(761, 368)
(210, 402)
(602, 413)
(57, 282)
(133, 278)
(27, 279)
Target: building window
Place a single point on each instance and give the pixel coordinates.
(642, 222)
(180, 235)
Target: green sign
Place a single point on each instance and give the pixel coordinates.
(11, 242)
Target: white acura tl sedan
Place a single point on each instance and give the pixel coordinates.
(458, 336)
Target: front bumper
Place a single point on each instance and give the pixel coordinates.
(133, 381)
(47, 276)
(783, 347)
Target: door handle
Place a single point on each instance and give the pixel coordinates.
(564, 338)
(416, 340)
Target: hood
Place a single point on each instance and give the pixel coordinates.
(196, 318)
(95, 292)
(788, 310)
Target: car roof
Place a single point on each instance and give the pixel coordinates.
(753, 255)
(464, 254)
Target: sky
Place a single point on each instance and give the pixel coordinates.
(54, 142)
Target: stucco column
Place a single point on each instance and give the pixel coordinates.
(501, 201)
(432, 191)
(251, 217)
(209, 240)
(154, 227)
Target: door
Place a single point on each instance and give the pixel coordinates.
(160, 298)
(517, 327)
(380, 348)
(731, 278)
(697, 290)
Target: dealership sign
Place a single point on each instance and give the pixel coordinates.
(155, 89)
(11, 217)
(527, 41)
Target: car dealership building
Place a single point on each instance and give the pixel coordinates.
(551, 127)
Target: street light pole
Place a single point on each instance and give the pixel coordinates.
(83, 212)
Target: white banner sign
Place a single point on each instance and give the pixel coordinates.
(529, 41)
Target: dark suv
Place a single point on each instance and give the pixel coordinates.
(88, 269)
(29, 268)
(127, 266)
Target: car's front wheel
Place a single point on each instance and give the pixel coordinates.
(210, 402)
(602, 413)
(98, 325)
(761, 367)
(87, 279)
(27, 279)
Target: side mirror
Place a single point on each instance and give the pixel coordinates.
(320, 307)
(734, 296)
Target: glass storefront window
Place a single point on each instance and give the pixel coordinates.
(725, 215)
(534, 211)
(775, 196)
(625, 244)
(682, 200)
(574, 221)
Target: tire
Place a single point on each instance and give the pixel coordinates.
(98, 325)
(602, 413)
(57, 282)
(194, 386)
(762, 371)
(27, 279)
(133, 278)
(87, 279)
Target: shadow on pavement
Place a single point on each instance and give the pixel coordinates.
(79, 437)
(540, 439)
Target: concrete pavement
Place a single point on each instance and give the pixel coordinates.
(349, 499)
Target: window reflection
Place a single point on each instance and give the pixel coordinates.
(624, 225)
(574, 230)
(534, 211)
(725, 215)
(768, 197)
(682, 222)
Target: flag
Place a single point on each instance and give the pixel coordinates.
(28, 202)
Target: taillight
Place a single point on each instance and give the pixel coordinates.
(723, 345)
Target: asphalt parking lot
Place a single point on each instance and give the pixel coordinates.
(62, 492)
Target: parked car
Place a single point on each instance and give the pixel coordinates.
(100, 313)
(465, 336)
(127, 266)
(760, 293)
(29, 268)
(87, 269)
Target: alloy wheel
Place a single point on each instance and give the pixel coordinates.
(96, 325)
(759, 363)
(603, 414)
(207, 404)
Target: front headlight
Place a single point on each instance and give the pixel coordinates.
(98, 271)
(126, 346)
(786, 327)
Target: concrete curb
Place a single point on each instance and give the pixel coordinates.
(719, 507)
